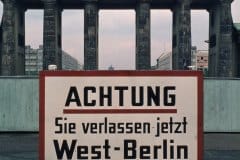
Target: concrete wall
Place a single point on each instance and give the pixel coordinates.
(19, 104)
(222, 105)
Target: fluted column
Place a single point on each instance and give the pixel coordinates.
(91, 36)
(181, 41)
(222, 61)
(13, 39)
(143, 36)
(52, 34)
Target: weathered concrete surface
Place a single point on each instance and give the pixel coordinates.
(91, 36)
(221, 105)
(19, 104)
(25, 146)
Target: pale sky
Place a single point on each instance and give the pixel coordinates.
(117, 33)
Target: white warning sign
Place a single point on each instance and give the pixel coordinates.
(121, 115)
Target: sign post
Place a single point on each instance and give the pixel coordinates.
(121, 115)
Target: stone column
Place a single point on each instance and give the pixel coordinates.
(143, 37)
(52, 37)
(91, 36)
(13, 39)
(222, 61)
(181, 41)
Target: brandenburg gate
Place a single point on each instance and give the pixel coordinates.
(221, 55)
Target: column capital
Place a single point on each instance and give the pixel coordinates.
(143, 3)
(52, 4)
(92, 5)
(179, 3)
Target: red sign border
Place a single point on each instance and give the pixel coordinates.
(44, 74)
